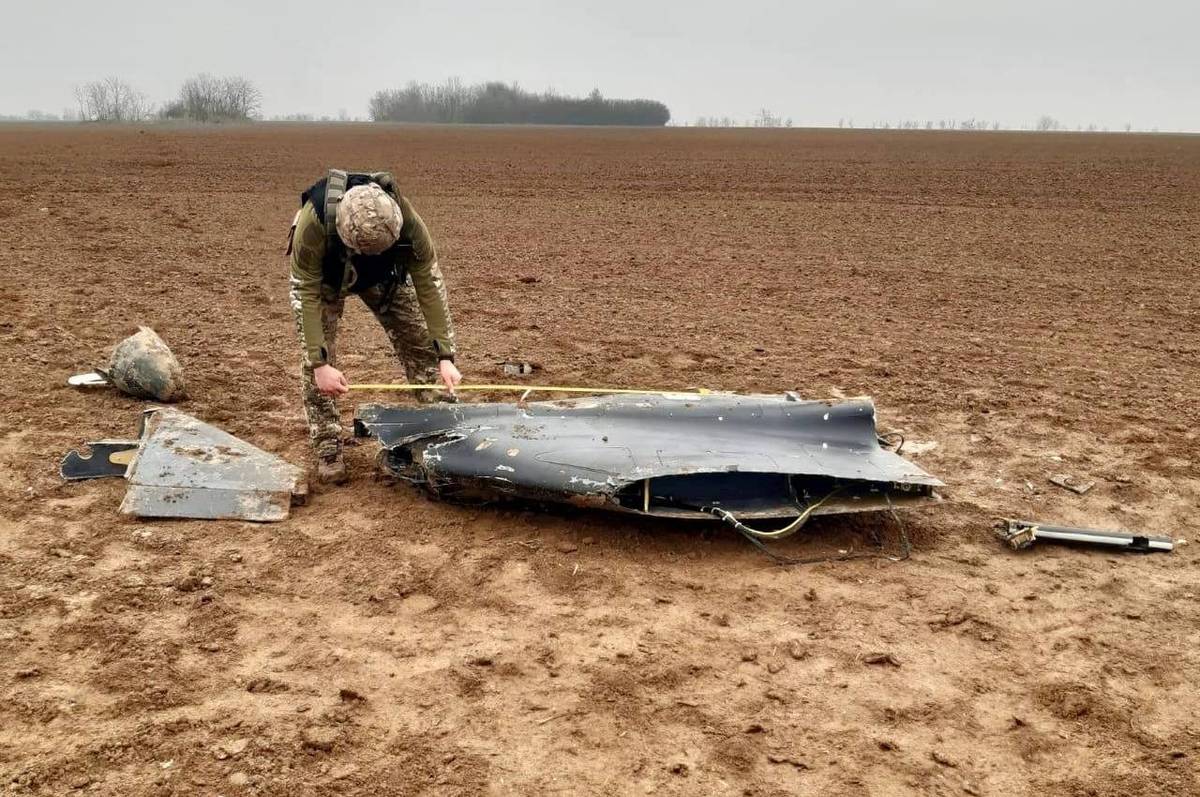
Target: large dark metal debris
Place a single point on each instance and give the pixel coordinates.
(183, 467)
(658, 454)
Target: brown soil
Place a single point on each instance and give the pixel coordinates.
(1028, 302)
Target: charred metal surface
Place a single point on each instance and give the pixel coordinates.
(104, 458)
(757, 456)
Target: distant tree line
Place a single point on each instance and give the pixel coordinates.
(205, 98)
(765, 118)
(202, 98)
(494, 102)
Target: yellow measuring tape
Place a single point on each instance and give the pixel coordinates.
(533, 388)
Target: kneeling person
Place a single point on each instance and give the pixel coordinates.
(356, 234)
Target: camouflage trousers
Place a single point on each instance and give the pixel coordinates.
(404, 324)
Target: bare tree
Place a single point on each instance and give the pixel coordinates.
(205, 98)
(111, 100)
(1046, 123)
(767, 119)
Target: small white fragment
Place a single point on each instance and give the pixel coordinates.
(506, 468)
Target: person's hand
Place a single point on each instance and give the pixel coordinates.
(450, 375)
(330, 381)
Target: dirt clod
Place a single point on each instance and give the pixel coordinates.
(881, 659)
(319, 738)
(943, 759)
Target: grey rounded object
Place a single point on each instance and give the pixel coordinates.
(143, 366)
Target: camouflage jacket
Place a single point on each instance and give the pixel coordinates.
(419, 261)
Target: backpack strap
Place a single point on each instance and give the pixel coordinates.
(335, 189)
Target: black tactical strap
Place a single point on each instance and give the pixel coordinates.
(335, 189)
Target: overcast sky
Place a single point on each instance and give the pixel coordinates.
(1102, 61)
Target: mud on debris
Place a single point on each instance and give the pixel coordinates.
(1026, 302)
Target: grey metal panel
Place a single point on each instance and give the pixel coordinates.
(206, 503)
(597, 446)
(188, 468)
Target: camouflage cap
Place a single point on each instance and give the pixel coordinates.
(368, 219)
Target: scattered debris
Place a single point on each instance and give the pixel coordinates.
(183, 467)
(1021, 534)
(1068, 482)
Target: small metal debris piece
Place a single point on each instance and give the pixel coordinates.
(182, 467)
(517, 369)
(1020, 534)
(90, 379)
(105, 458)
(1067, 482)
(668, 455)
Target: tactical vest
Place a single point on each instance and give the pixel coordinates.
(369, 270)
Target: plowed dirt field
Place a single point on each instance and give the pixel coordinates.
(1027, 302)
